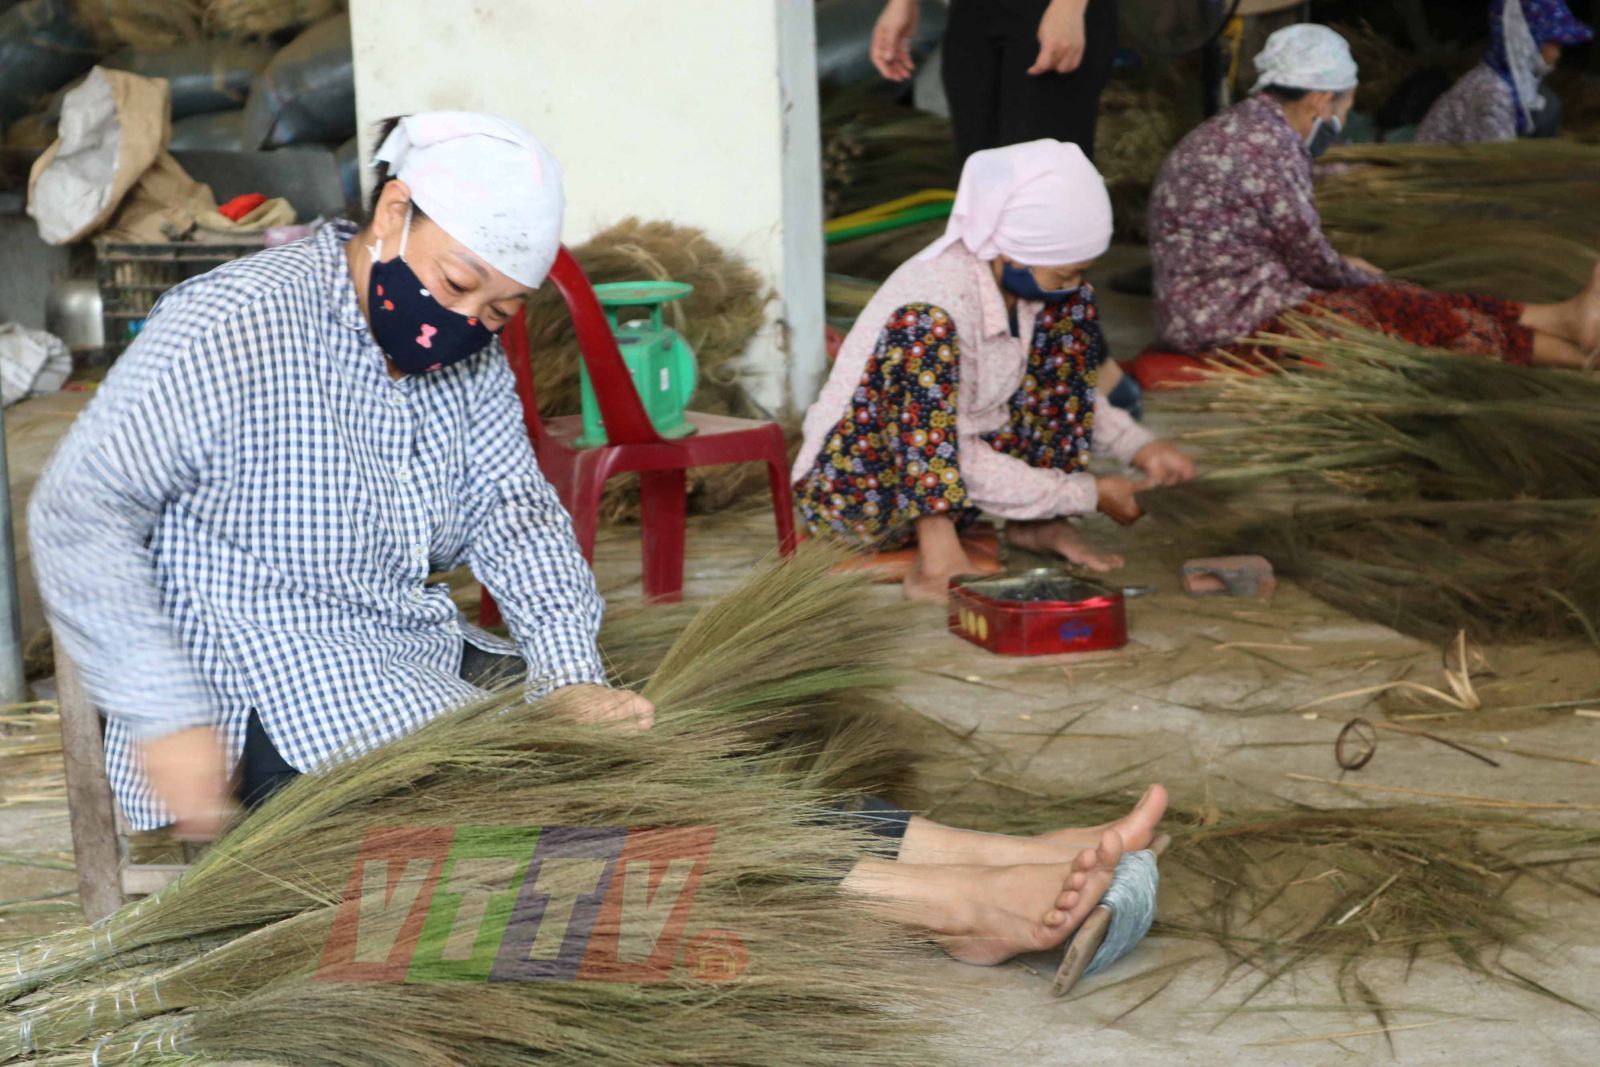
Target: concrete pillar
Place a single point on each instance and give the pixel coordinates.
(701, 113)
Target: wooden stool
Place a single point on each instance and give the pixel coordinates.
(106, 878)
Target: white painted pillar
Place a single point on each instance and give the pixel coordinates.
(701, 112)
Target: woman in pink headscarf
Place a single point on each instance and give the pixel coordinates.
(971, 382)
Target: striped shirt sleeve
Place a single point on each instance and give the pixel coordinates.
(137, 447)
(521, 544)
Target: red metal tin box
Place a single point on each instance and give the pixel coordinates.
(1037, 613)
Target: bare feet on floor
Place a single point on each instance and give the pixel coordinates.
(1588, 338)
(1059, 537)
(1008, 911)
(928, 842)
(930, 578)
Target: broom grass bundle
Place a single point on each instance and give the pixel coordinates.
(718, 320)
(723, 754)
(1381, 417)
(876, 149)
(259, 18)
(1140, 124)
(1520, 219)
(1503, 570)
(1425, 490)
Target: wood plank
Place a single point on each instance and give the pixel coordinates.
(142, 879)
(90, 806)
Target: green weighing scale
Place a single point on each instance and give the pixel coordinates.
(661, 362)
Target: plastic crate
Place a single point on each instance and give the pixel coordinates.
(132, 278)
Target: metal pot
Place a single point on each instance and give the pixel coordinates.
(73, 313)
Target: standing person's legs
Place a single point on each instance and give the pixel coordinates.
(1065, 107)
(971, 75)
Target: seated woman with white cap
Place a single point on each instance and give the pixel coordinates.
(971, 382)
(234, 541)
(1236, 240)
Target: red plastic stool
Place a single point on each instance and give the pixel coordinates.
(579, 475)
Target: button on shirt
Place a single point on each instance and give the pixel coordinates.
(246, 516)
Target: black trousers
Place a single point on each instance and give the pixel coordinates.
(265, 771)
(989, 46)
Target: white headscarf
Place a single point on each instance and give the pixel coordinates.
(1307, 56)
(1040, 204)
(487, 183)
(1524, 63)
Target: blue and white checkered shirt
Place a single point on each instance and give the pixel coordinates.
(247, 513)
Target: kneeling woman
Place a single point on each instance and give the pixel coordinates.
(969, 383)
(1236, 238)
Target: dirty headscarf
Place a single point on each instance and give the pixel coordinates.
(486, 182)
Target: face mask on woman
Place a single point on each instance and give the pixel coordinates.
(1325, 133)
(416, 331)
(1020, 282)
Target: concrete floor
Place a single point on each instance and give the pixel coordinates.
(1195, 694)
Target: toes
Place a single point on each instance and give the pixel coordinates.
(1109, 854)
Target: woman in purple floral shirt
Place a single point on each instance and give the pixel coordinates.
(1237, 241)
(1499, 99)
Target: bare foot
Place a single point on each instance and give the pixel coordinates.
(931, 581)
(1588, 337)
(928, 842)
(1059, 537)
(1137, 828)
(1029, 908)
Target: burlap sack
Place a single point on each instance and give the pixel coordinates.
(113, 128)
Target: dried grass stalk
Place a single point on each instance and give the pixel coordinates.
(1428, 491)
(1277, 889)
(1383, 418)
(1517, 220)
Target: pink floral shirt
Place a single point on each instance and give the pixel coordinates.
(1479, 107)
(1234, 232)
(992, 367)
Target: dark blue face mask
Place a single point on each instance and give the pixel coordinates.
(1020, 282)
(415, 331)
(1325, 133)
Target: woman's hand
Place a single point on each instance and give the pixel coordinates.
(1118, 499)
(1062, 38)
(891, 39)
(188, 772)
(622, 708)
(1163, 464)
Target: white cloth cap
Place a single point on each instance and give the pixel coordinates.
(1307, 56)
(1524, 62)
(487, 182)
(1039, 204)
